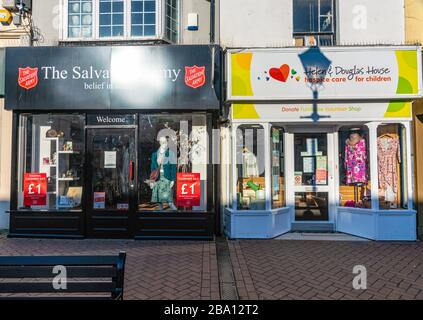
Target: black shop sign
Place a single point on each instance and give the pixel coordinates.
(143, 77)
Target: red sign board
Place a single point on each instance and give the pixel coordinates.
(195, 76)
(35, 189)
(188, 189)
(28, 77)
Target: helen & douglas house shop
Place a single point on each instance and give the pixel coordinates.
(113, 142)
(321, 141)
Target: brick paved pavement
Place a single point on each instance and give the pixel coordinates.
(154, 269)
(273, 269)
(263, 269)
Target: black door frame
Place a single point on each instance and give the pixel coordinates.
(107, 223)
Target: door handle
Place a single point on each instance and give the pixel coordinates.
(131, 170)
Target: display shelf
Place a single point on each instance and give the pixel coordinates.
(58, 143)
(68, 179)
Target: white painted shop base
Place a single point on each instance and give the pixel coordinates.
(382, 225)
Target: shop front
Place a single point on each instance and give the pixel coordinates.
(321, 141)
(113, 142)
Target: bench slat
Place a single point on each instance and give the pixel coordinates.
(58, 260)
(56, 298)
(47, 272)
(47, 287)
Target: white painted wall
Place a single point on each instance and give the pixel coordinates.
(48, 17)
(371, 22)
(253, 23)
(269, 23)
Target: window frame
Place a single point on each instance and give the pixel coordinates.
(160, 24)
(266, 127)
(318, 34)
(282, 132)
(207, 194)
(21, 159)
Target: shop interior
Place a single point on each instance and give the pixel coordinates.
(315, 169)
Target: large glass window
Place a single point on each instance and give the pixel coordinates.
(392, 166)
(250, 172)
(354, 167)
(111, 18)
(122, 18)
(278, 167)
(51, 151)
(314, 22)
(173, 158)
(80, 18)
(172, 20)
(143, 18)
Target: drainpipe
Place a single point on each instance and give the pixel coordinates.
(212, 21)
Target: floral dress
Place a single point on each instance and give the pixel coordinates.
(389, 155)
(355, 162)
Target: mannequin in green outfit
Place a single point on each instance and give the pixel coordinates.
(162, 189)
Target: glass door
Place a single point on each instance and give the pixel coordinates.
(313, 181)
(112, 172)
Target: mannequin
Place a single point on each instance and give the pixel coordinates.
(249, 164)
(162, 189)
(389, 159)
(355, 158)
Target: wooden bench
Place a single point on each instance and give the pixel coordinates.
(86, 277)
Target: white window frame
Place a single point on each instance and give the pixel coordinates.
(178, 39)
(160, 24)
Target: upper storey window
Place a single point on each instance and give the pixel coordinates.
(314, 23)
(122, 19)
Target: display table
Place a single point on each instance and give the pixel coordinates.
(258, 224)
(399, 225)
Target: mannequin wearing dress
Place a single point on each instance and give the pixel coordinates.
(389, 156)
(162, 189)
(355, 159)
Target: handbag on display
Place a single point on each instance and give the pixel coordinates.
(51, 133)
(154, 175)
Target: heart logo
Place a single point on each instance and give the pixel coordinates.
(280, 74)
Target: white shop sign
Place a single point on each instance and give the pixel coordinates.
(342, 73)
(286, 112)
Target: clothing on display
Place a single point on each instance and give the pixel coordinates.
(249, 164)
(356, 161)
(389, 157)
(165, 161)
(162, 191)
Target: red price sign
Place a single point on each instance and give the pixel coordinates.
(188, 189)
(35, 189)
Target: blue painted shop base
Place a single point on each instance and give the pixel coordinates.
(260, 224)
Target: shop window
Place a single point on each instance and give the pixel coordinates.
(51, 152)
(354, 167)
(314, 22)
(173, 158)
(250, 173)
(392, 166)
(278, 167)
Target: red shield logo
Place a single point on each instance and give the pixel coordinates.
(195, 76)
(28, 77)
